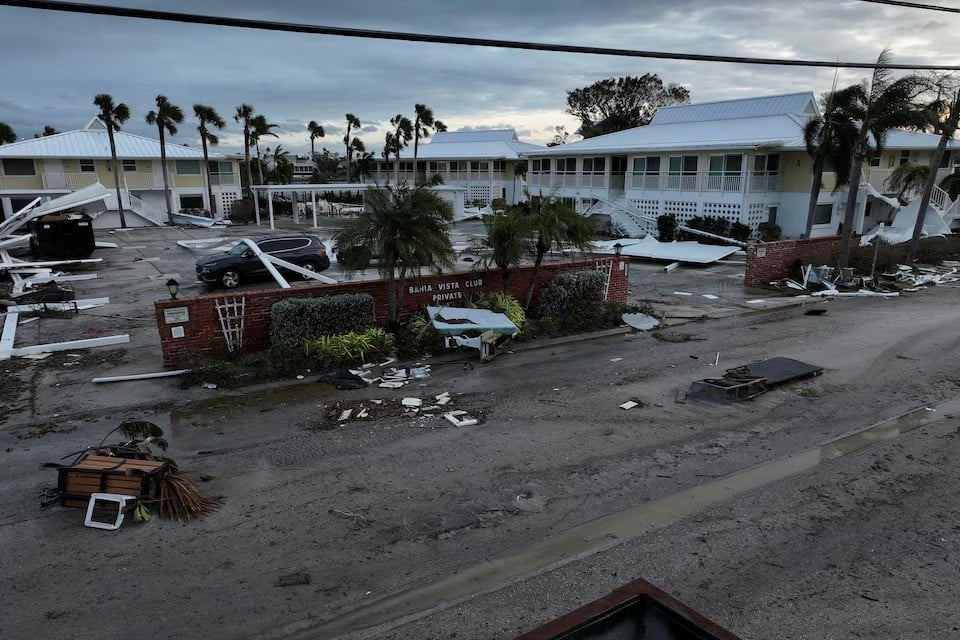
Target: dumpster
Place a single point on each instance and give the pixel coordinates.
(62, 236)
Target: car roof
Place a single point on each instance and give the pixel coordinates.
(286, 236)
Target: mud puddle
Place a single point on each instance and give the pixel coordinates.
(617, 528)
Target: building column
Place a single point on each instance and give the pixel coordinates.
(256, 204)
(313, 201)
(270, 207)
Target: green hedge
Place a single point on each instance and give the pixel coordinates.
(580, 292)
(294, 322)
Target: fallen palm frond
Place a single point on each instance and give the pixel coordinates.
(181, 500)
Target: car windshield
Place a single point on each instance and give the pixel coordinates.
(238, 249)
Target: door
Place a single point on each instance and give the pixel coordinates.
(618, 172)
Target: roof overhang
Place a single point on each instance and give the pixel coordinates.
(630, 150)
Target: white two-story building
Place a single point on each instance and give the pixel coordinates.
(54, 165)
(743, 160)
(483, 163)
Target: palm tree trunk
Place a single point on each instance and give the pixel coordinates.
(347, 140)
(927, 194)
(206, 174)
(416, 148)
(533, 278)
(259, 165)
(505, 278)
(849, 213)
(246, 161)
(166, 178)
(116, 176)
(814, 195)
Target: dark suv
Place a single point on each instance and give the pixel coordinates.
(240, 264)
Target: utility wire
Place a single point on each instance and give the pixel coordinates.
(914, 5)
(246, 23)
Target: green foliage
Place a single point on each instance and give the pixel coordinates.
(907, 178)
(142, 513)
(349, 349)
(667, 228)
(572, 293)
(711, 224)
(500, 303)
(740, 231)
(294, 322)
(559, 226)
(142, 430)
(769, 232)
(615, 104)
(509, 239)
(418, 337)
(241, 212)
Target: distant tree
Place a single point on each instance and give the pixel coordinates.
(615, 104)
(7, 134)
(366, 165)
(908, 178)
(556, 225)
(400, 136)
(260, 129)
(279, 165)
(829, 139)
(208, 117)
(508, 241)
(166, 116)
(424, 124)
(882, 105)
(316, 132)
(47, 131)
(328, 167)
(244, 116)
(560, 137)
(113, 116)
(352, 122)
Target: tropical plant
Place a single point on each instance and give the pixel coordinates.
(47, 131)
(352, 122)
(424, 124)
(349, 348)
(208, 117)
(113, 116)
(400, 137)
(829, 140)
(7, 134)
(279, 165)
(882, 105)
(907, 178)
(500, 303)
(556, 226)
(509, 239)
(316, 131)
(943, 116)
(166, 116)
(406, 228)
(243, 116)
(366, 164)
(260, 128)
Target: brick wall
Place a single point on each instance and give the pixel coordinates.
(193, 325)
(769, 261)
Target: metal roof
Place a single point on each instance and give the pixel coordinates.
(93, 142)
(800, 104)
(472, 145)
(474, 136)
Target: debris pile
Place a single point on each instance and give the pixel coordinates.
(824, 280)
(925, 276)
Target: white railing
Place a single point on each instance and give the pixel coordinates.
(138, 206)
(939, 198)
(703, 181)
(79, 180)
(142, 181)
(227, 179)
(764, 182)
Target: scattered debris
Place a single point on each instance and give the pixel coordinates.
(208, 385)
(682, 293)
(134, 376)
(806, 392)
(670, 267)
(460, 419)
(345, 415)
(411, 402)
(815, 312)
(293, 580)
(640, 321)
(615, 359)
(752, 380)
(629, 404)
(710, 296)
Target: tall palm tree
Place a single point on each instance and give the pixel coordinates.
(208, 117)
(556, 225)
(7, 134)
(352, 121)
(943, 115)
(907, 177)
(244, 115)
(423, 123)
(259, 129)
(316, 131)
(509, 239)
(113, 116)
(406, 228)
(356, 147)
(402, 133)
(883, 105)
(829, 139)
(166, 116)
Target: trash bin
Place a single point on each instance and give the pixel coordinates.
(62, 236)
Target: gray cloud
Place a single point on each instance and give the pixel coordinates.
(295, 78)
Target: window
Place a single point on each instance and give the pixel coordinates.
(130, 166)
(460, 165)
(769, 164)
(499, 166)
(904, 157)
(868, 209)
(823, 214)
(18, 167)
(727, 165)
(87, 166)
(191, 202)
(188, 167)
(386, 166)
(221, 168)
(541, 165)
(772, 215)
(566, 165)
(406, 166)
(479, 166)
(594, 165)
(437, 167)
(875, 160)
(945, 160)
(683, 165)
(647, 164)
(285, 244)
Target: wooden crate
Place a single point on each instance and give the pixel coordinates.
(108, 474)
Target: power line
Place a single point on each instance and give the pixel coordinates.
(246, 23)
(914, 5)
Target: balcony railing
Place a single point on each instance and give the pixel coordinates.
(223, 180)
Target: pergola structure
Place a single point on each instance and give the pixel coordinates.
(455, 195)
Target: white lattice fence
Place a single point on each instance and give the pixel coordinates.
(756, 213)
(478, 192)
(726, 210)
(683, 211)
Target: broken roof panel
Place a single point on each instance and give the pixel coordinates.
(456, 320)
(652, 249)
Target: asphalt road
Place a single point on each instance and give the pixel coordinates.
(860, 545)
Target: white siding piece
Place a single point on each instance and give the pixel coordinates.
(8, 335)
(103, 341)
(87, 303)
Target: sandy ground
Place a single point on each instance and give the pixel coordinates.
(860, 546)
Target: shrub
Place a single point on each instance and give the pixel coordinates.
(667, 228)
(711, 224)
(417, 337)
(349, 349)
(241, 212)
(294, 322)
(769, 232)
(579, 292)
(740, 231)
(500, 303)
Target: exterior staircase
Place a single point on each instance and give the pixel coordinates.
(138, 207)
(624, 217)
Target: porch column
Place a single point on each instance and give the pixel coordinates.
(270, 207)
(313, 201)
(608, 173)
(256, 204)
(490, 180)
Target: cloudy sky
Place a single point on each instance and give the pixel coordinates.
(63, 60)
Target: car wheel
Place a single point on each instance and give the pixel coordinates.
(230, 278)
(309, 266)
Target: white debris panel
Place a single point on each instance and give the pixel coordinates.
(650, 248)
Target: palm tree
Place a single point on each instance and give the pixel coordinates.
(167, 116)
(556, 225)
(907, 178)
(508, 241)
(356, 147)
(47, 131)
(406, 228)
(6, 134)
(352, 121)
(883, 105)
(113, 116)
(423, 123)
(208, 117)
(829, 139)
(316, 131)
(402, 133)
(943, 115)
(244, 116)
(260, 128)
